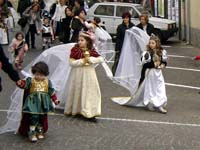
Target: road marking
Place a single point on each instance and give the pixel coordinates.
(180, 56)
(183, 86)
(130, 120)
(150, 122)
(166, 46)
(179, 68)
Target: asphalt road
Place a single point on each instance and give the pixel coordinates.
(120, 127)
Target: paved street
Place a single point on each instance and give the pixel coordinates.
(120, 127)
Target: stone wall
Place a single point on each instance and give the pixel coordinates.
(195, 36)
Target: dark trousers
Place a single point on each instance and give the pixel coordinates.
(144, 68)
(114, 67)
(36, 120)
(60, 31)
(32, 31)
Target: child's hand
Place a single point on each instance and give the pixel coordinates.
(57, 102)
(156, 64)
(20, 83)
(161, 66)
(86, 60)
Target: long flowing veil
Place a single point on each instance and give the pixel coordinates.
(129, 68)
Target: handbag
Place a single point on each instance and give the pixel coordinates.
(22, 21)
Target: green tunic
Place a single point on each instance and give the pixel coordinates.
(39, 99)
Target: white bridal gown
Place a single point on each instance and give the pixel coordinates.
(152, 90)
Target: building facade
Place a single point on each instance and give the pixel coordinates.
(186, 13)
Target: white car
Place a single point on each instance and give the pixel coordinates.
(111, 16)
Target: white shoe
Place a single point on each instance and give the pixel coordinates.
(33, 138)
(40, 136)
(162, 110)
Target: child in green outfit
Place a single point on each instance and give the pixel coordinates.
(37, 102)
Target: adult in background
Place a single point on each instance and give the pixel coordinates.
(7, 67)
(23, 5)
(145, 25)
(121, 29)
(66, 23)
(58, 16)
(34, 23)
(78, 24)
(78, 5)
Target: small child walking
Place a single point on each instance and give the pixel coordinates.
(47, 33)
(37, 102)
(18, 49)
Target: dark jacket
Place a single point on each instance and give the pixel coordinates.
(77, 26)
(23, 5)
(66, 22)
(7, 67)
(121, 29)
(150, 28)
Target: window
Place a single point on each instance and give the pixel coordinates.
(105, 10)
(123, 9)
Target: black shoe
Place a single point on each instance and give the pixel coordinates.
(43, 47)
(93, 119)
(33, 47)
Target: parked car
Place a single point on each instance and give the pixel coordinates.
(111, 12)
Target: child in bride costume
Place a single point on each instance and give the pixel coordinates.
(144, 77)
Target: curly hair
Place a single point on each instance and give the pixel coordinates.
(40, 67)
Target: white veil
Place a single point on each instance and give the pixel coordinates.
(57, 59)
(104, 43)
(129, 68)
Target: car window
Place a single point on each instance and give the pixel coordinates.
(106, 10)
(122, 9)
(143, 10)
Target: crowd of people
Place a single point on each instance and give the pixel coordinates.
(66, 21)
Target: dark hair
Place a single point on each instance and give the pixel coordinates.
(88, 39)
(81, 2)
(97, 20)
(40, 67)
(68, 7)
(46, 18)
(126, 14)
(80, 10)
(17, 34)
